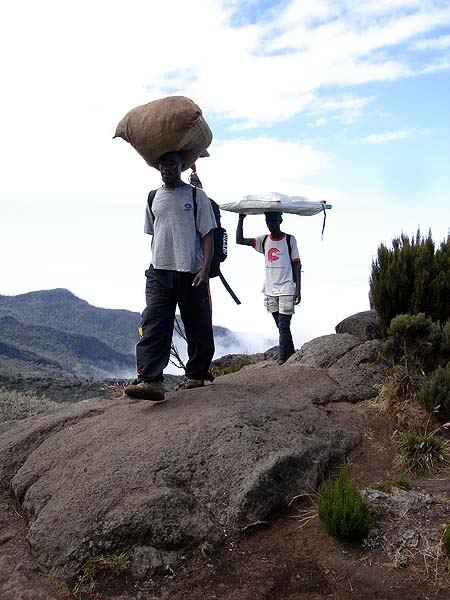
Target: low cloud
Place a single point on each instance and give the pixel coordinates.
(234, 343)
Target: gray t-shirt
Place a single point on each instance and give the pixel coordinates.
(177, 235)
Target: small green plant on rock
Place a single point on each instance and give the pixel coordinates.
(422, 452)
(115, 564)
(232, 368)
(58, 586)
(383, 486)
(435, 394)
(404, 484)
(342, 510)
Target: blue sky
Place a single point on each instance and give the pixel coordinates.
(344, 101)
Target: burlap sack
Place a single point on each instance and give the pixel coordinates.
(166, 125)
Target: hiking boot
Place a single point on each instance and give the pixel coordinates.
(282, 360)
(146, 390)
(194, 383)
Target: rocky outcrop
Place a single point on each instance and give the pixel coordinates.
(324, 351)
(359, 372)
(104, 476)
(351, 357)
(408, 524)
(363, 325)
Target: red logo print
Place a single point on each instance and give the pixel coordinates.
(272, 255)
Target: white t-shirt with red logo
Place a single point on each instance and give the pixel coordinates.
(279, 280)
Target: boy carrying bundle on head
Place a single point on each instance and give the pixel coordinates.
(282, 284)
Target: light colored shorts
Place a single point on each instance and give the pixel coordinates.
(281, 304)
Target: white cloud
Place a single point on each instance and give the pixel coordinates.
(376, 7)
(380, 138)
(347, 109)
(436, 67)
(311, 46)
(390, 136)
(321, 122)
(245, 166)
(438, 43)
(105, 57)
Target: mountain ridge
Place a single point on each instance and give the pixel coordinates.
(49, 332)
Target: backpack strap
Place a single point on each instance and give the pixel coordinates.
(228, 288)
(151, 197)
(288, 240)
(222, 278)
(194, 202)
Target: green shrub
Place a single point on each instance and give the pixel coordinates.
(445, 342)
(435, 394)
(413, 341)
(422, 453)
(342, 510)
(401, 386)
(411, 277)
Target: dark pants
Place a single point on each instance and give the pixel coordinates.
(164, 290)
(286, 344)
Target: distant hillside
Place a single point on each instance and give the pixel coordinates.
(52, 333)
(64, 312)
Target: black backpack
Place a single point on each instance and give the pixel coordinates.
(220, 237)
(220, 240)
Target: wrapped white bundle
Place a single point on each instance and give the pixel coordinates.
(257, 204)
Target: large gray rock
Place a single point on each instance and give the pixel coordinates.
(116, 476)
(359, 372)
(353, 364)
(363, 325)
(325, 350)
(29, 433)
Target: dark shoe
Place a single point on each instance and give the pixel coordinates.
(194, 383)
(282, 359)
(146, 390)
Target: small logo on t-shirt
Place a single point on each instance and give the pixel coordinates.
(273, 253)
(187, 206)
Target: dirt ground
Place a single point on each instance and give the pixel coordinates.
(290, 558)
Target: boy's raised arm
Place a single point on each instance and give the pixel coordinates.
(240, 239)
